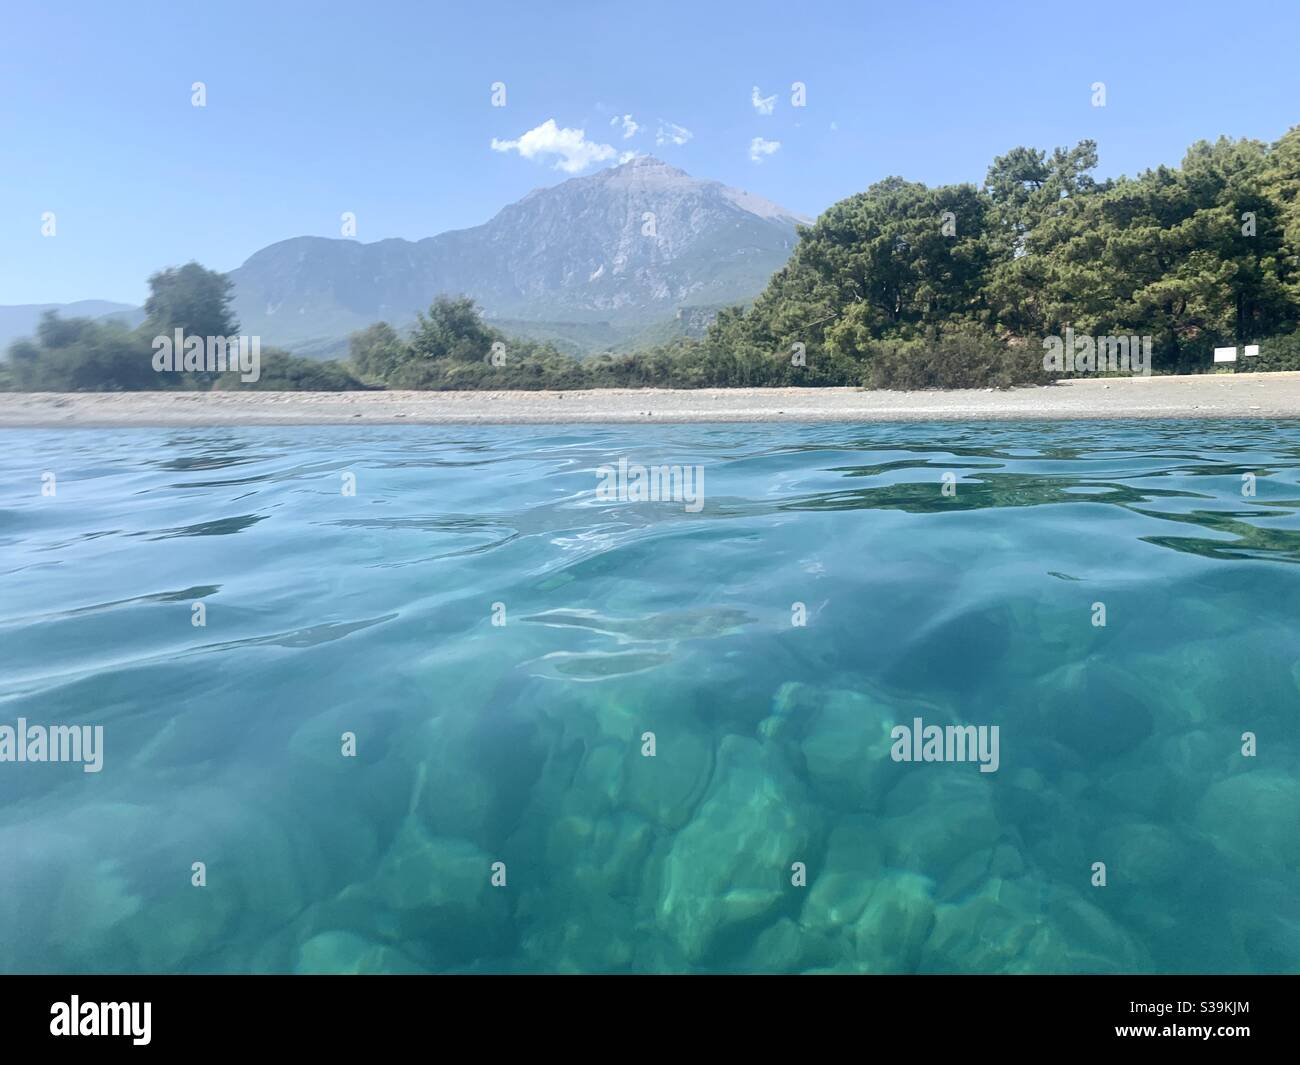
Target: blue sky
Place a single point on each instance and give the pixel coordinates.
(384, 109)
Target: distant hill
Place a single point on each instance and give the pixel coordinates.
(20, 319)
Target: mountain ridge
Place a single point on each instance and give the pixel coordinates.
(625, 248)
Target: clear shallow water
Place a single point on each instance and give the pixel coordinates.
(522, 743)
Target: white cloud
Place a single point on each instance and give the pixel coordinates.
(764, 105)
(575, 152)
(672, 133)
(759, 147)
(630, 126)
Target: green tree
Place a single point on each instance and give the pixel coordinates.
(191, 298)
(377, 353)
(1168, 254)
(897, 261)
(453, 329)
(1026, 186)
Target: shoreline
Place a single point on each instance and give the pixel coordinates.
(1253, 395)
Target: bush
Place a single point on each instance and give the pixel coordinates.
(1276, 353)
(282, 372)
(957, 360)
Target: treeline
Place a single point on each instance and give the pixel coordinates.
(900, 286)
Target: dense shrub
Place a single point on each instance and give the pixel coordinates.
(1276, 353)
(282, 372)
(958, 360)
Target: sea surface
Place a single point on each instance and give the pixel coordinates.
(422, 699)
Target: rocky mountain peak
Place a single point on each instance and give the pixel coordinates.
(626, 246)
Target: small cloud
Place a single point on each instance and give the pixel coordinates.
(672, 133)
(764, 105)
(575, 152)
(630, 126)
(759, 147)
(627, 157)
(834, 126)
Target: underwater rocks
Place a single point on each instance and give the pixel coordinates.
(1091, 707)
(599, 761)
(451, 795)
(1253, 818)
(120, 894)
(922, 869)
(439, 888)
(938, 815)
(1142, 855)
(876, 919)
(613, 778)
(345, 953)
(729, 870)
(666, 789)
(846, 751)
(1270, 943)
(840, 887)
(432, 898)
(600, 936)
(600, 856)
(890, 934)
(785, 947)
(619, 862)
(1022, 926)
(474, 777)
(87, 911)
(597, 747)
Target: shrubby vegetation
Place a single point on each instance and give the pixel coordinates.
(103, 355)
(1280, 353)
(283, 372)
(963, 359)
(451, 347)
(80, 355)
(901, 286)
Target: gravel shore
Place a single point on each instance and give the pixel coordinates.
(1256, 395)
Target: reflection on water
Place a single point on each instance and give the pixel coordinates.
(648, 715)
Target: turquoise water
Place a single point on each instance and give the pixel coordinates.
(522, 743)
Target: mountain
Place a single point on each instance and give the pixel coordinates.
(20, 319)
(591, 264)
